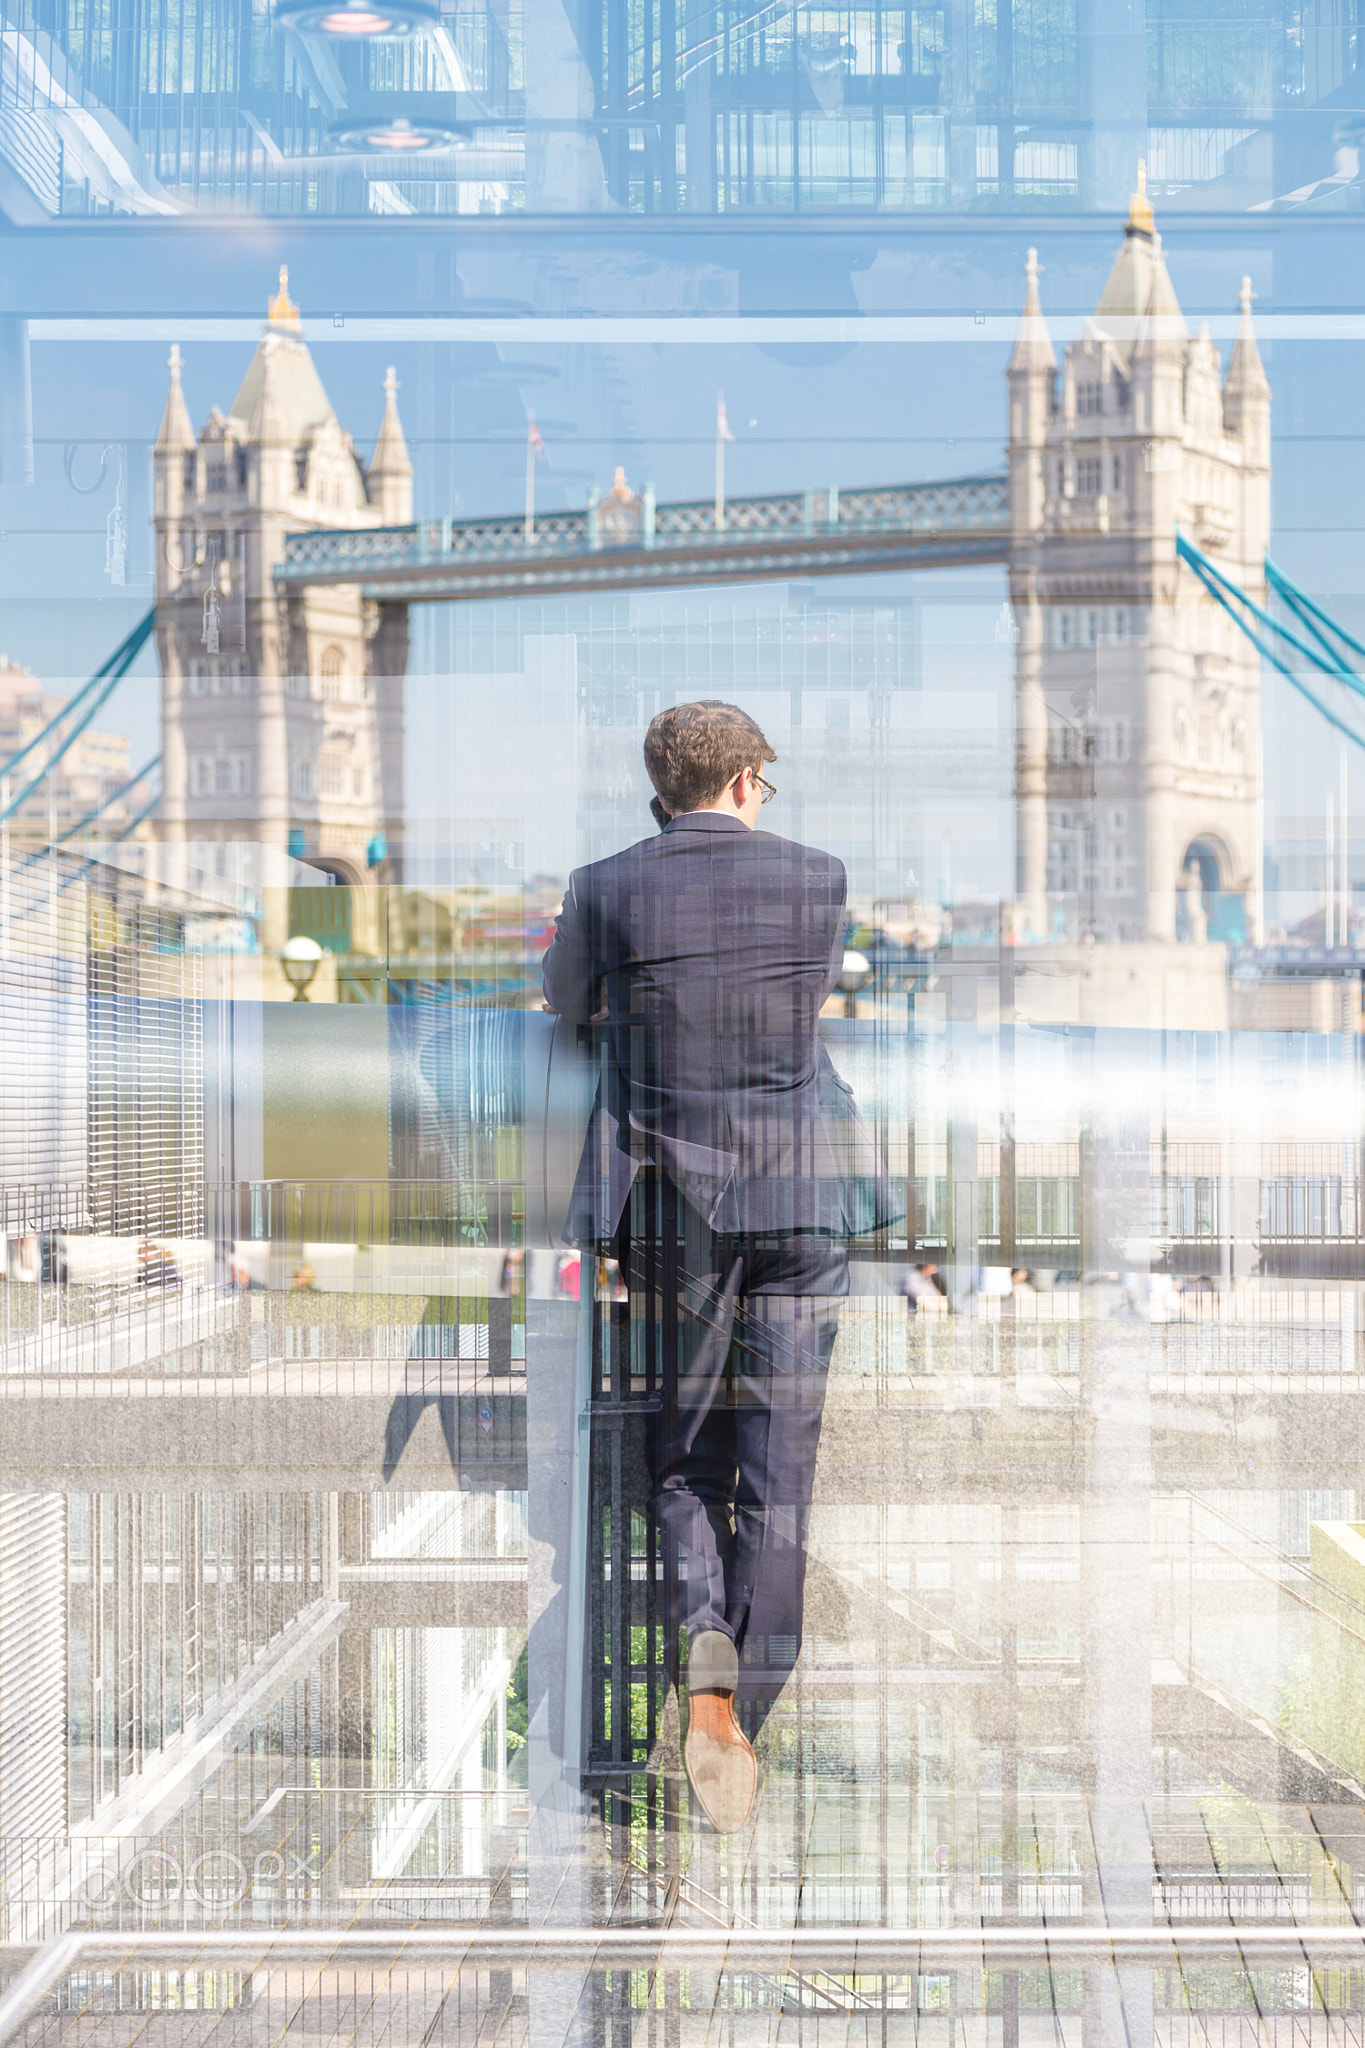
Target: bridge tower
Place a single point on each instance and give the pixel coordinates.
(282, 716)
(1137, 701)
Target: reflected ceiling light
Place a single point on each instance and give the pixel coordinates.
(359, 18)
(399, 137)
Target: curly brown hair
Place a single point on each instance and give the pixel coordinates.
(694, 752)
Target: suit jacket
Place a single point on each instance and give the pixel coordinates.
(714, 949)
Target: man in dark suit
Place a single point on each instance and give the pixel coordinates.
(724, 1137)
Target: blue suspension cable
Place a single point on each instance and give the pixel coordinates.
(112, 798)
(1206, 570)
(131, 826)
(139, 635)
(1300, 602)
(1305, 620)
(1211, 580)
(91, 861)
(42, 852)
(123, 661)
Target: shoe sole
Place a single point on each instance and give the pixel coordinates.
(723, 1827)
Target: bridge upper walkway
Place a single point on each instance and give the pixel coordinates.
(626, 545)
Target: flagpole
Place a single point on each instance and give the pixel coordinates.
(1343, 857)
(720, 463)
(531, 480)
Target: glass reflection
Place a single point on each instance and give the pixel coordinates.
(907, 380)
(467, 109)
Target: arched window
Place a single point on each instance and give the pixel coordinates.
(331, 666)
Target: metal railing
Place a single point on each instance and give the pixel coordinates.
(285, 1270)
(315, 1861)
(327, 1269)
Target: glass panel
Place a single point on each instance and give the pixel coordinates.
(681, 975)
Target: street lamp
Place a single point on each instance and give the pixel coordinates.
(300, 958)
(854, 976)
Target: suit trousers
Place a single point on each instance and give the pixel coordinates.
(746, 1325)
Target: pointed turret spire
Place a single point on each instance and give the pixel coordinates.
(267, 422)
(281, 310)
(390, 471)
(176, 432)
(1032, 344)
(1138, 307)
(1246, 376)
(1141, 220)
(1032, 377)
(1161, 324)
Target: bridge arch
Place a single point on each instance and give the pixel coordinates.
(346, 871)
(1210, 892)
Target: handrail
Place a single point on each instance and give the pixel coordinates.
(1259, 1571)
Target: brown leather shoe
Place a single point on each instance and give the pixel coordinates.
(721, 1765)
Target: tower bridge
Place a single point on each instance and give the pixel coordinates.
(286, 567)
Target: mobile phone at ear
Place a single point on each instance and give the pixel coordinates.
(657, 812)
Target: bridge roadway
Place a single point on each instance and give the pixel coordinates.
(630, 544)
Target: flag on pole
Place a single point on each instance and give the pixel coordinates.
(535, 452)
(723, 435)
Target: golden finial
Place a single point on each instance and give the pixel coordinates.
(281, 311)
(1140, 218)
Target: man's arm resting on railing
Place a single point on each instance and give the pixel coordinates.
(570, 983)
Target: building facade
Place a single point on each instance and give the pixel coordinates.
(282, 717)
(1138, 777)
